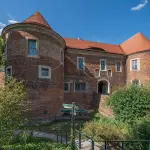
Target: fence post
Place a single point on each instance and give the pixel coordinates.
(105, 145)
(61, 137)
(79, 140)
(92, 145)
(149, 145)
(66, 138)
(57, 137)
(122, 145)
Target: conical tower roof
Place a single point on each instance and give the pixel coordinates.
(37, 18)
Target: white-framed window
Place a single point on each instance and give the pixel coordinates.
(97, 72)
(109, 73)
(61, 56)
(44, 72)
(135, 82)
(80, 87)
(32, 47)
(9, 71)
(118, 66)
(80, 63)
(103, 65)
(66, 87)
(135, 64)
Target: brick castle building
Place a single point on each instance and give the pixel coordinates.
(60, 70)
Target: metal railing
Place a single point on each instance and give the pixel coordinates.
(106, 144)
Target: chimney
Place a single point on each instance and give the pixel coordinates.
(79, 38)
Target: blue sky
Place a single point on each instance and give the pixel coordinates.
(109, 21)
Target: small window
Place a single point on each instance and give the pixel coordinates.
(9, 71)
(32, 48)
(136, 82)
(61, 56)
(135, 65)
(80, 87)
(118, 67)
(97, 74)
(66, 87)
(103, 65)
(44, 72)
(80, 63)
(109, 73)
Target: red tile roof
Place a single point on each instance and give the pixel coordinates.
(136, 43)
(37, 18)
(82, 44)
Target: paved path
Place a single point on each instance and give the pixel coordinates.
(43, 135)
(87, 145)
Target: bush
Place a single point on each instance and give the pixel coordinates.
(105, 129)
(130, 103)
(36, 144)
(140, 131)
(12, 109)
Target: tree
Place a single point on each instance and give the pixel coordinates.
(12, 108)
(130, 103)
(2, 60)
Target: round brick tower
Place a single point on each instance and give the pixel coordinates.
(35, 54)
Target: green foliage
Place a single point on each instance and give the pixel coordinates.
(105, 129)
(12, 109)
(2, 60)
(36, 144)
(130, 103)
(140, 131)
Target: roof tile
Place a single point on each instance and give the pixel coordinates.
(37, 18)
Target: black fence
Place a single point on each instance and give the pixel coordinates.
(109, 144)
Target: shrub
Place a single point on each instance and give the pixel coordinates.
(140, 131)
(105, 129)
(130, 103)
(12, 109)
(36, 144)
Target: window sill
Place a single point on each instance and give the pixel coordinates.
(81, 91)
(118, 71)
(135, 70)
(34, 56)
(103, 70)
(44, 77)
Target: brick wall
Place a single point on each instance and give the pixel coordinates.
(46, 95)
(85, 99)
(144, 72)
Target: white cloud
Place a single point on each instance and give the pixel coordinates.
(12, 21)
(2, 24)
(140, 6)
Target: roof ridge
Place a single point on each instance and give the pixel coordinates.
(91, 41)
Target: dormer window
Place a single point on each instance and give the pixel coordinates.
(32, 47)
